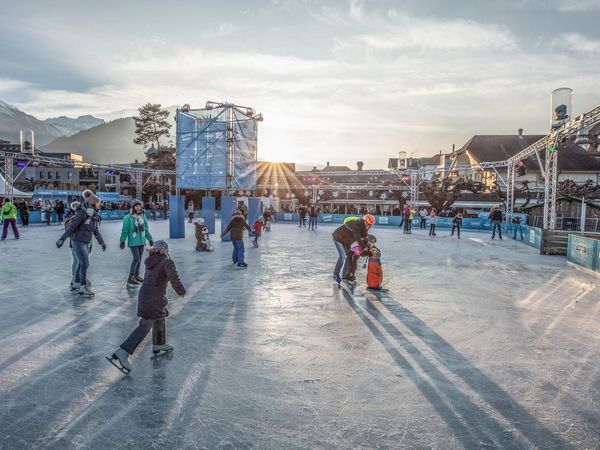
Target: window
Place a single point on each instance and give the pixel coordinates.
(49, 175)
(58, 175)
(69, 175)
(41, 175)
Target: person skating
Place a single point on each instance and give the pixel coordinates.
(423, 215)
(136, 232)
(202, 239)
(48, 209)
(257, 229)
(313, 214)
(518, 227)
(190, 210)
(457, 223)
(152, 307)
(8, 215)
(83, 227)
(406, 218)
(351, 234)
(73, 207)
(268, 218)
(24, 213)
(496, 218)
(432, 222)
(60, 210)
(236, 227)
(302, 216)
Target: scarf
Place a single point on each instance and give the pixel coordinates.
(138, 227)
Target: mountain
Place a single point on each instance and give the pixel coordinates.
(111, 142)
(68, 126)
(13, 119)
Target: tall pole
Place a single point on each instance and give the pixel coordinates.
(8, 173)
(550, 187)
(510, 190)
(230, 162)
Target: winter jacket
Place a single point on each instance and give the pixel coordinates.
(9, 211)
(152, 298)
(496, 215)
(313, 211)
(433, 220)
(257, 228)
(133, 233)
(236, 226)
(354, 231)
(201, 232)
(84, 225)
(457, 221)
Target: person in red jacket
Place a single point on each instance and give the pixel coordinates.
(257, 229)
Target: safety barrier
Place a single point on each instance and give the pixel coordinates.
(584, 252)
(38, 217)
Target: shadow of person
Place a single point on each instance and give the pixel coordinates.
(451, 359)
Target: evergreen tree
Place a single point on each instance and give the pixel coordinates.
(151, 124)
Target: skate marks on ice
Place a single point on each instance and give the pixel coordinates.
(477, 411)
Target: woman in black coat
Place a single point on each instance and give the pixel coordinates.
(152, 306)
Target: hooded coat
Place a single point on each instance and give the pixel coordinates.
(352, 231)
(84, 225)
(152, 298)
(236, 226)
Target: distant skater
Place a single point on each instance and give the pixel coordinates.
(496, 218)
(135, 232)
(457, 223)
(236, 227)
(8, 216)
(432, 222)
(152, 307)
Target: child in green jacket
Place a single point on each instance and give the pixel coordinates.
(135, 231)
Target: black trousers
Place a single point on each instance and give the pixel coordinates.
(431, 229)
(457, 228)
(423, 222)
(159, 334)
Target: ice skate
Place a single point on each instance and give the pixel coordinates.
(160, 350)
(75, 286)
(120, 359)
(132, 282)
(337, 280)
(255, 243)
(84, 290)
(242, 265)
(138, 278)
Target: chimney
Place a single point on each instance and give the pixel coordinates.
(327, 167)
(520, 131)
(359, 165)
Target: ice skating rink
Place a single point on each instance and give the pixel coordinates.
(478, 344)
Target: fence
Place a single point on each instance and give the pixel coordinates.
(570, 223)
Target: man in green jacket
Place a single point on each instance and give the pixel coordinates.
(135, 231)
(8, 214)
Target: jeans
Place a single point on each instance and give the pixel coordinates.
(83, 255)
(342, 252)
(60, 217)
(518, 228)
(74, 265)
(457, 228)
(137, 252)
(406, 225)
(496, 224)
(238, 252)
(431, 229)
(13, 225)
(302, 220)
(159, 334)
(312, 222)
(423, 223)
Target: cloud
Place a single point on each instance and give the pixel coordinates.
(572, 6)
(576, 42)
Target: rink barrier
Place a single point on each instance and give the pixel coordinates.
(38, 217)
(584, 252)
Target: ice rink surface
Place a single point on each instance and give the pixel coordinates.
(478, 344)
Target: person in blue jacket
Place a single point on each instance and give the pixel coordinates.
(135, 231)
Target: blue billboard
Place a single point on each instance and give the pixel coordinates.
(202, 148)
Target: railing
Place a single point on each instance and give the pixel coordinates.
(570, 223)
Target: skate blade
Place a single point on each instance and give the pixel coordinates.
(122, 369)
(86, 295)
(161, 354)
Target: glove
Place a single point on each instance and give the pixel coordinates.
(151, 243)
(122, 245)
(59, 243)
(103, 247)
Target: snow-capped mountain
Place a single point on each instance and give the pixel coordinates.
(13, 119)
(69, 126)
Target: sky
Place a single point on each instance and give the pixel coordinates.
(337, 81)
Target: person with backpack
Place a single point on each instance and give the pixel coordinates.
(8, 215)
(135, 232)
(152, 307)
(83, 227)
(350, 240)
